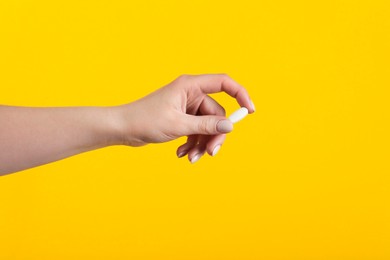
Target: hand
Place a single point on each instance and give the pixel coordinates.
(183, 108)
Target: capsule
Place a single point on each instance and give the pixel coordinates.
(238, 115)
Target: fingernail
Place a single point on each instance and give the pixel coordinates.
(216, 149)
(253, 106)
(181, 154)
(195, 158)
(225, 126)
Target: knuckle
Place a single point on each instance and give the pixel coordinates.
(202, 126)
(224, 76)
(206, 126)
(183, 77)
(182, 80)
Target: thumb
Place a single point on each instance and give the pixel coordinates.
(207, 125)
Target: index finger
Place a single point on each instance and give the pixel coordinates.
(214, 83)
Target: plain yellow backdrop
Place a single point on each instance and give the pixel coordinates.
(305, 177)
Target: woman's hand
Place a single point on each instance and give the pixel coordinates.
(183, 108)
(32, 136)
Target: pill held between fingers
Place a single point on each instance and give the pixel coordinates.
(238, 115)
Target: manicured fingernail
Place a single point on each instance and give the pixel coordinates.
(195, 158)
(253, 106)
(216, 149)
(225, 126)
(181, 154)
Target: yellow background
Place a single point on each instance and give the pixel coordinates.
(305, 177)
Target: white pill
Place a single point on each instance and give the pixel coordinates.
(238, 115)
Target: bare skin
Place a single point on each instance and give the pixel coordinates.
(34, 136)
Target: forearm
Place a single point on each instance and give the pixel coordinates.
(34, 136)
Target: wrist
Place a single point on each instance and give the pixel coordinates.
(113, 126)
(124, 126)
